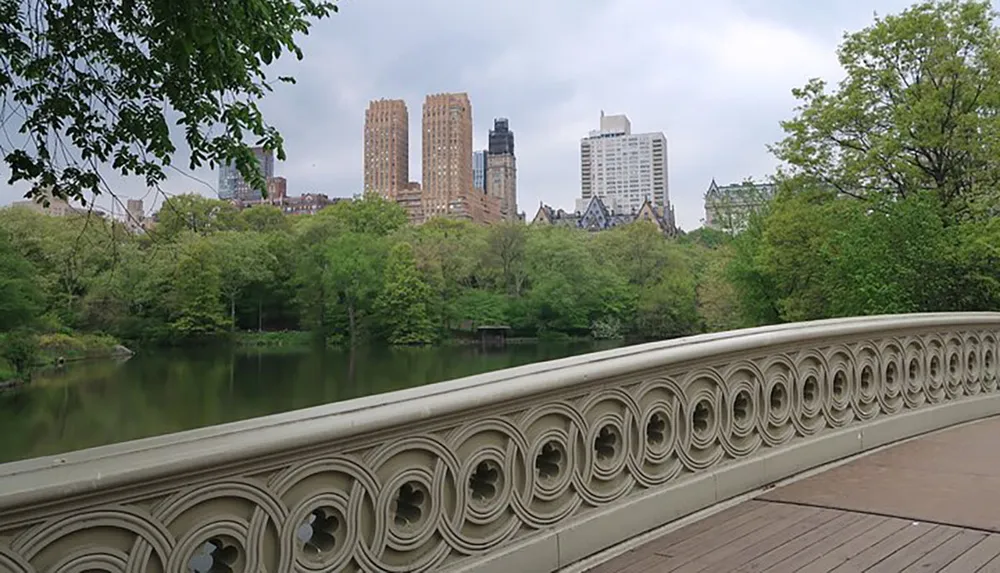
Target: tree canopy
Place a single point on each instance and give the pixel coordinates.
(918, 111)
(89, 83)
(353, 273)
(913, 131)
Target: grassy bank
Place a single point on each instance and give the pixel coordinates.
(275, 339)
(302, 338)
(51, 349)
(54, 348)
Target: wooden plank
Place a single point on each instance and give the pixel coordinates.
(706, 540)
(862, 528)
(817, 522)
(977, 557)
(643, 551)
(881, 550)
(773, 556)
(947, 552)
(914, 551)
(832, 559)
(681, 553)
(781, 530)
(731, 517)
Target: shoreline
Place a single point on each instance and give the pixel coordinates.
(57, 350)
(290, 339)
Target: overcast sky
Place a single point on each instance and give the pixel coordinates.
(714, 75)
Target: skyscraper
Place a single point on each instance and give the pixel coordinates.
(501, 169)
(622, 168)
(447, 152)
(387, 147)
(233, 186)
(501, 137)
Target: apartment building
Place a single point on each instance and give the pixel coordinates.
(624, 169)
(387, 147)
(446, 150)
(501, 169)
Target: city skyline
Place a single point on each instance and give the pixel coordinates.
(458, 182)
(718, 87)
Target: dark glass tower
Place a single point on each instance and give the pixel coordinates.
(501, 138)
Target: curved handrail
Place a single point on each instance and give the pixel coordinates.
(41, 479)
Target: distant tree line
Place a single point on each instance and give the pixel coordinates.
(354, 272)
(886, 202)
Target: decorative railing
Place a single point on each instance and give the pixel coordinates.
(526, 469)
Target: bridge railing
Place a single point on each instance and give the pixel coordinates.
(526, 469)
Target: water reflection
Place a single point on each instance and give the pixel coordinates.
(101, 402)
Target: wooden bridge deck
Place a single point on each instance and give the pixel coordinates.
(930, 504)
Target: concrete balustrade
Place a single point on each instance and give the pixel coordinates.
(526, 469)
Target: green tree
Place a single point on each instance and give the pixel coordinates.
(263, 219)
(638, 251)
(885, 262)
(369, 214)
(127, 298)
(568, 289)
(657, 294)
(20, 297)
(352, 275)
(718, 305)
(68, 253)
(194, 213)
(706, 237)
(505, 256)
(970, 264)
(274, 292)
(667, 308)
(196, 287)
(20, 349)
(244, 263)
(919, 110)
(481, 307)
(448, 255)
(100, 76)
(755, 287)
(794, 252)
(402, 304)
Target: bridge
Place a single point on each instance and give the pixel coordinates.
(849, 444)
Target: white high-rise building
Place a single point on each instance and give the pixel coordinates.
(479, 170)
(624, 169)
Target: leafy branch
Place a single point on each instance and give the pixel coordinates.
(91, 83)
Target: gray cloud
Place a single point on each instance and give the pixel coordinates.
(715, 76)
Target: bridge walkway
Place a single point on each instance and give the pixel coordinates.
(925, 505)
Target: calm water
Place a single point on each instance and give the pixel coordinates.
(100, 402)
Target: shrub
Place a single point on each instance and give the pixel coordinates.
(20, 350)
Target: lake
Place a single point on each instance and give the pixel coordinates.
(93, 403)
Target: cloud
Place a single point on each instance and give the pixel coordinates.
(715, 76)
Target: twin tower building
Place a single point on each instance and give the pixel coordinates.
(457, 182)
